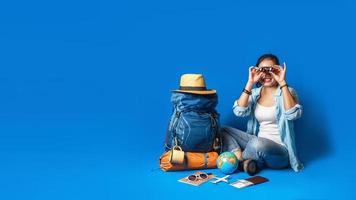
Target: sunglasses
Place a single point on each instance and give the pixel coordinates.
(201, 176)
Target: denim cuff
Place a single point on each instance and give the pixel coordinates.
(240, 111)
(293, 109)
(236, 149)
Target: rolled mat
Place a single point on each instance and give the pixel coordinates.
(192, 160)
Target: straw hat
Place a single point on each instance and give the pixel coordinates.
(194, 84)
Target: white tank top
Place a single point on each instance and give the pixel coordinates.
(266, 116)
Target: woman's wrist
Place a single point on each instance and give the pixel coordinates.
(249, 85)
(282, 83)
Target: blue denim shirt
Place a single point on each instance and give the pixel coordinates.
(284, 121)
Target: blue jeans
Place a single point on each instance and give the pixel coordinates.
(266, 152)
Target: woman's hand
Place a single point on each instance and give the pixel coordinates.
(280, 75)
(254, 75)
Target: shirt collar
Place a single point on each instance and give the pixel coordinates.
(278, 92)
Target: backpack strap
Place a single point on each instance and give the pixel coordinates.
(185, 163)
(174, 127)
(214, 122)
(206, 160)
(217, 144)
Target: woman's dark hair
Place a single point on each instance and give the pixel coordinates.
(267, 56)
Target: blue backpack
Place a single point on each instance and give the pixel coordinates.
(194, 123)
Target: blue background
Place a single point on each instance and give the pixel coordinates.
(85, 93)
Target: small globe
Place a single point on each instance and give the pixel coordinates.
(227, 163)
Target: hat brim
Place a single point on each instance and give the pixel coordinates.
(196, 92)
